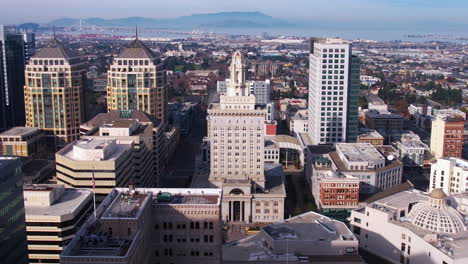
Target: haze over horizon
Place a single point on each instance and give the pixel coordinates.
(359, 11)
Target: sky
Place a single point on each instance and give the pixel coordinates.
(407, 11)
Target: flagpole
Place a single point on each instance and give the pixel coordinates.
(94, 194)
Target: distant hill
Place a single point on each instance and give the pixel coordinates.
(213, 20)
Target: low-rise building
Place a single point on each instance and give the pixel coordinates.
(306, 238)
(371, 136)
(22, 141)
(420, 109)
(146, 225)
(450, 175)
(53, 214)
(414, 227)
(383, 120)
(335, 194)
(298, 122)
(411, 149)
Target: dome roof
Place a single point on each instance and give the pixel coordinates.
(438, 219)
(437, 194)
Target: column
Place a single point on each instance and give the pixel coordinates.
(242, 211)
(230, 207)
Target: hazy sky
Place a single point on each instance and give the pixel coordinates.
(454, 11)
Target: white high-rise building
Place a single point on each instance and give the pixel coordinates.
(450, 175)
(332, 95)
(237, 147)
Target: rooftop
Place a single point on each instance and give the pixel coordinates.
(136, 49)
(117, 115)
(55, 49)
(66, 201)
(19, 131)
(370, 134)
(309, 227)
(94, 149)
(359, 152)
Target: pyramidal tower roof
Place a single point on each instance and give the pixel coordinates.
(55, 49)
(136, 49)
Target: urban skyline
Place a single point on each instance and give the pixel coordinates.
(173, 145)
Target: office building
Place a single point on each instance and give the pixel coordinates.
(450, 175)
(136, 81)
(145, 225)
(22, 141)
(447, 133)
(11, 78)
(29, 45)
(266, 68)
(124, 131)
(98, 164)
(333, 92)
(411, 149)
(382, 120)
(306, 238)
(414, 227)
(147, 134)
(53, 93)
(13, 246)
(335, 193)
(237, 147)
(261, 90)
(376, 167)
(53, 214)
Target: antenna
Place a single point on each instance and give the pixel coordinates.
(136, 31)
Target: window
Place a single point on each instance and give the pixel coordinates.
(403, 247)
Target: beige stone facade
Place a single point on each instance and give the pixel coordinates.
(147, 134)
(237, 153)
(53, 93)
(137, 82)
(53, 214)
(110, 163)
(21, 141)
(156, 226)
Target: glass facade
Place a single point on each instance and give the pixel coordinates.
(13, 245)
(353, 100)
(11, 78)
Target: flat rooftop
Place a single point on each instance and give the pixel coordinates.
(307, 227)
(125, 205)
(85, 149)
(19, 131)
(360, 152)
(370, 134)
(67, 203)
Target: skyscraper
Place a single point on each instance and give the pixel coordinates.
(11, 78)
(137, 82)
(333, 92)
(236, 128)
(54, 93)
(13, 247)
(29, 45)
